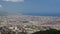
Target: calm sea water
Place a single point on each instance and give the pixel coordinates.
(38, 14)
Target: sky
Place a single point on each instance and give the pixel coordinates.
(51, 7)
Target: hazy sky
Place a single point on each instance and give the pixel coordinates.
(31, 6)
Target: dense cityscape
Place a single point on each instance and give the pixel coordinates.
(29, 16)
(28, 24)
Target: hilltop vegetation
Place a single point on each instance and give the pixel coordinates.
(51, 31)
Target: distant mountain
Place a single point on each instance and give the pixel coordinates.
(7, 13)
(3, 13)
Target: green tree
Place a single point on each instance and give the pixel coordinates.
(21, 33)
(50, 31)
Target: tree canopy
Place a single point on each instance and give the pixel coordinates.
(50, 31)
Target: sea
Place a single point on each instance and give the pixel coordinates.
(38, 14)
